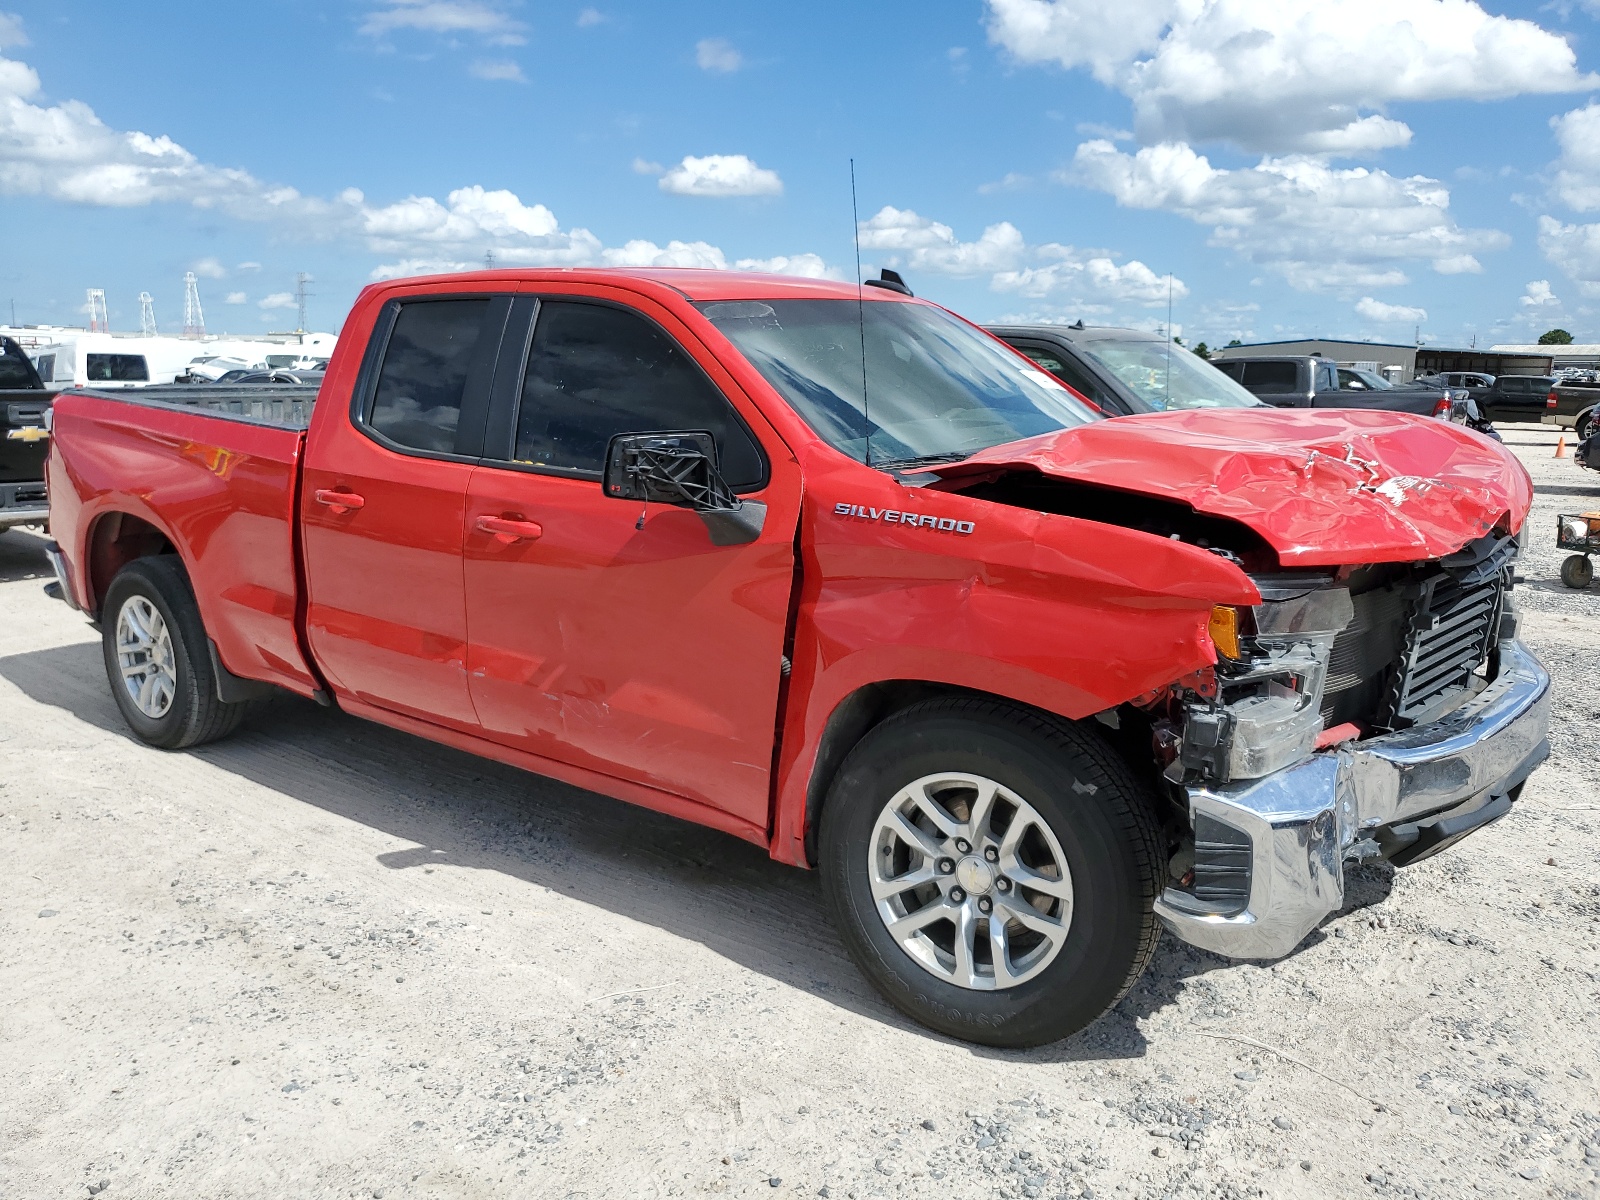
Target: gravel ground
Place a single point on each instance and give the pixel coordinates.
(326, 959)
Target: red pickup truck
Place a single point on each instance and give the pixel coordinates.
(839, 573)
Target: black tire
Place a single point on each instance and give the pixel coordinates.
(1577, 571)
(1102, 817)
(195, 714)
(1584, 425)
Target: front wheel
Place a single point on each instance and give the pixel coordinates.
(992, 870)
(157, 658)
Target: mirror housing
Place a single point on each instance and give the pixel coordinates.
(668, 468)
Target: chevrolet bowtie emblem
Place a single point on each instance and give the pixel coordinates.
(28, 433)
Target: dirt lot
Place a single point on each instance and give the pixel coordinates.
(326, 959)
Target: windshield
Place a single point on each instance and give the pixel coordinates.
(1166, 377)
(936, 388)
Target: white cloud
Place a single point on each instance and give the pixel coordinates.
(717, 55)
(449, 17)
(720, 175)
(643, 166)
(1050, 271)
(1539, 295)
(67, 153)
(11, 33)
(500, 70)
(806, 266)
(236, 298)
(279, 300)
(1309, 76)
(1389, 314)
(1319, 227)
(1577, 178)
(1575, 249)
(1011, 181)
(591, 17)
(209, 268)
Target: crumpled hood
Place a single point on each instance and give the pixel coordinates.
(1323, 487)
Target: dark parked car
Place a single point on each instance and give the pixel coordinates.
(1125, 371)
(24, 438)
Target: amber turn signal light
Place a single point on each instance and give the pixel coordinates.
(1224, 630)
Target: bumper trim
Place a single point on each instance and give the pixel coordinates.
(1418, 790)
(58, 564)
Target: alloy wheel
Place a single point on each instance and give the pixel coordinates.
(144, 656)
(970, 881)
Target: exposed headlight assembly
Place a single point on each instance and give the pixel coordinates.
(1273, 662)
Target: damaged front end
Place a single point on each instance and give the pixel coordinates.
(1383, 711)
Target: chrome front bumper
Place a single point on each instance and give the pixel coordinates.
(1403, 796)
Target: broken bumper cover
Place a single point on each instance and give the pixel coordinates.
(1270, 853)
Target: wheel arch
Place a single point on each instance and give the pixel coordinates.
(115, 539)
(861, 711)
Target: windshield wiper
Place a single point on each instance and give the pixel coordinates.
(922, 460)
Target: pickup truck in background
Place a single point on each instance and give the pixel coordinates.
(1125, 371)
(24, 439)
(1516, 397)
(1306, 381)
(846, 577)
(1575, 408)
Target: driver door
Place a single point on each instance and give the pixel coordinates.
(613, 635)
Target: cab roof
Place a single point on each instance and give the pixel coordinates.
(696, 283)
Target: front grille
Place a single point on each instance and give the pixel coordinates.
(1454, 620)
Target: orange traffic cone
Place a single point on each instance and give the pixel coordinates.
(1561, 446)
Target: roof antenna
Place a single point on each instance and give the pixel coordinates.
(861, 312)
(1169, 339)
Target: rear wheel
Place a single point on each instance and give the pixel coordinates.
(157, 658)
(992, 870)
(1577, 571)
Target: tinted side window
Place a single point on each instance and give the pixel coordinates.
(1327, 379)
(118, 368)
(1272, 378)
(14, 372)
(1514, 386)
(47, 368)
(1234, 370)
(595, 372)
(1064, 369)
(425, 365)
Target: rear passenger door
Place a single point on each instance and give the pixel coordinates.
(383, 503)
(1065, 367)
(632, 640)
(1277, 382)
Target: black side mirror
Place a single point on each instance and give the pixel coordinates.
(681, 469)
(668, 468)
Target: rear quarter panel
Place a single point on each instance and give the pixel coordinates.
(221, 491)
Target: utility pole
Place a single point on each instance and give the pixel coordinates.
(147, 315)
(99, 321)
(488, 260)
(194, 320)
(301, 296)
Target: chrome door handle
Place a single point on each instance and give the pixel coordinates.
(510, 529)
(339, 501)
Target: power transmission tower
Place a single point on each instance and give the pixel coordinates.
(99, 322)
(147, 315)
(194, 321)
(488, 260)
(301, 296)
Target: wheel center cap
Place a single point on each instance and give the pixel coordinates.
(975, 875)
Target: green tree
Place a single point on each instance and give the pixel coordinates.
(1555, 337)
(1203, 350)
(1235, 342)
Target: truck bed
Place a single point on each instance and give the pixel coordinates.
(286, 406)
(214, 470)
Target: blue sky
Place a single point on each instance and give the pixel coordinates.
(1339, 168)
